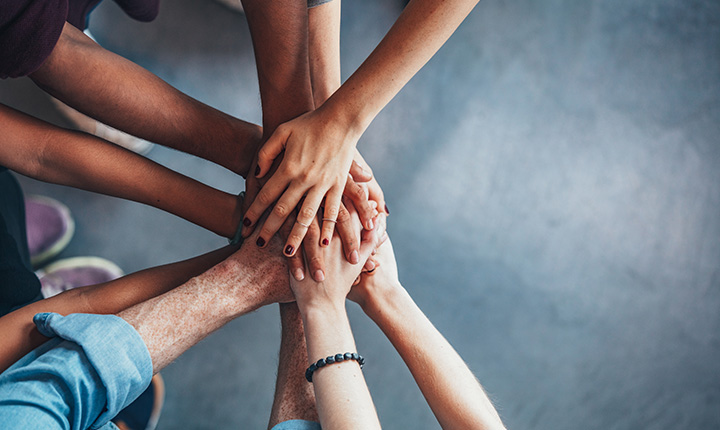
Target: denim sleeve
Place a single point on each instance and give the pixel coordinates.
(92, 368)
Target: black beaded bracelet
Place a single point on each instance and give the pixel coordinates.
(337, 358)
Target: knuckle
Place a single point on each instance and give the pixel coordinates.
(281, 210)
(295, 238)
(264, 198)
(331, 212)
(343, 217)
(307, 213)
(316, 261)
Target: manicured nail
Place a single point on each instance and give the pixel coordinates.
(370, 265)
(387, 211)
(257, 170)
(247, 222)
(370, 225)
(260, 242)
(299, 275)
(319, 275)
(354, 257)
(325, 242)
(289, 250)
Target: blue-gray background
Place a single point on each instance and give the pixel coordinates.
(553, 176)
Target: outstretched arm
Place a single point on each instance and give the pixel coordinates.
(20, 335)
(122, 94)
(48, 153)
(318, 147)
(452, 391)
(342, 397)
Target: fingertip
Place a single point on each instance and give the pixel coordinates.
(319, 275)
(354, 257)
(299, 274)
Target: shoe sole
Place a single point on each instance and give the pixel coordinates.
(71, 263)
(62, 243)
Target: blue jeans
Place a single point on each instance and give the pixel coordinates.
(92, 368)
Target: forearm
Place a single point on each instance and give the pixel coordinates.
(422, 28)
(122, 94)
(48, 153)
(342, 397)
(324, 50)
(171, 323)
(451, 390)
(279, 30)
(20, 335)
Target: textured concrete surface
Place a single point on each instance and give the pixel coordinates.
(554, 181)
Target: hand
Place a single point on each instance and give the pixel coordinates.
(371, 286)
(268, 264)
(317, 156)
(340, 274)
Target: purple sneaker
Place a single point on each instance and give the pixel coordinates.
(49, 228)
(76, 272)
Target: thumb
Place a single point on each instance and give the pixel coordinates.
(359, 173)
(270, 150)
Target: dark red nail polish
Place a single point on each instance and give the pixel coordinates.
(257, 170)
(260, 242)
(387, 211)
(325, 242)
(289, 250)
(247, 222)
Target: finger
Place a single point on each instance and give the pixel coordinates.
(330, 215)
(371, 239)
(359, 173)
(296, 265)
(282, 209)
(348, 235)
(313, 252)
(359, 197)
(267, 195)
(376, 193)
(304, 219)
(270, 150)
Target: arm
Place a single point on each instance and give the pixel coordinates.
(318, 147)
(20, 335)
(342, 397)
(452, 391)
(101, 377)
(122, 94)
(52, 154)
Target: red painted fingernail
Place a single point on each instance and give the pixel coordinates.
(387, 211)
(247, 222)
(289, 250)
(325, 242)
(260, 242)
(257, 170)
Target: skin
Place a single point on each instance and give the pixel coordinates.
(449, 387)
(48, 153)
(342, 397)
(318, 147)
(286, 91)
(119, 93)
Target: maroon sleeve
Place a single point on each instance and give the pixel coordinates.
(29, 30)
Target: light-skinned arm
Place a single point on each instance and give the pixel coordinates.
(342, 397)
(450, 388)
(319, 146)
(48, 153)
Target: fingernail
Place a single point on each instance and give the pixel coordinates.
(257, 170)
(247, 222)
(371, 266)
(325, 242)
(370, 224)
(354, 257)
(289, 250)
(319, 275)
(387, 211)
(260, 242)
(299, 275)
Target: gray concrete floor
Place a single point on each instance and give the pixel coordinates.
(554, 181)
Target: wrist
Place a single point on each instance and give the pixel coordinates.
(348, 116)
(382, 301)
